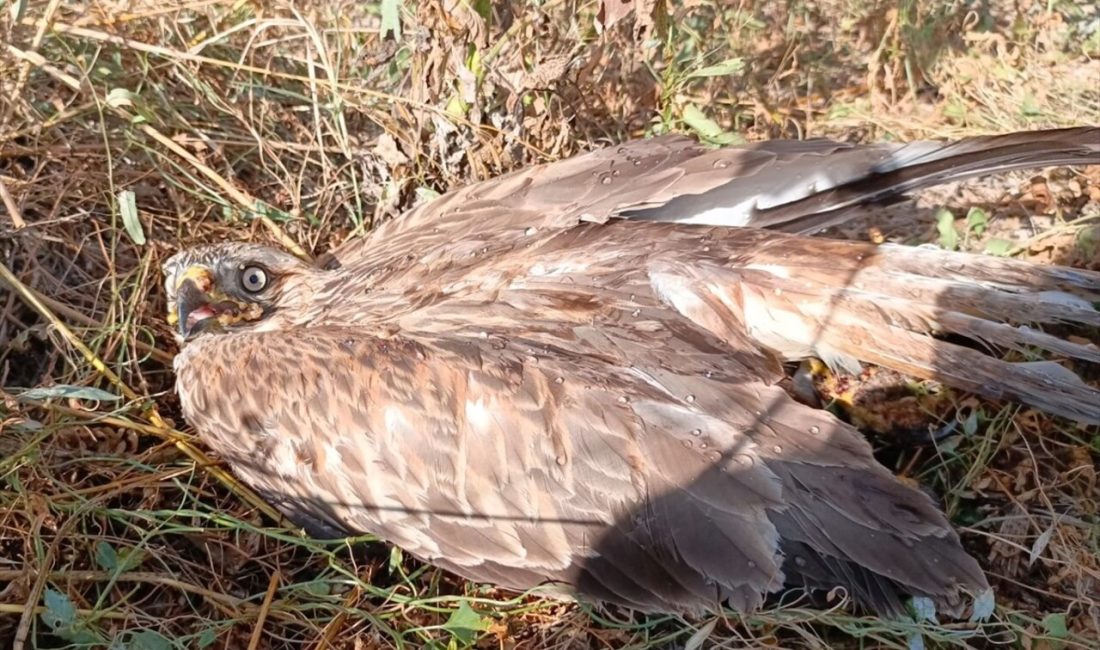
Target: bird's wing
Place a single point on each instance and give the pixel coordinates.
(792, 185)
(769, 296)
(516, 462)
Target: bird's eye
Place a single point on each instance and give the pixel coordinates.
(253, 279)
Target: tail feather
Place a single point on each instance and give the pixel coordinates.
(848, 302)
(855, 308)
(979, 285)
(1017, 338)
(1004, 273)
(1012, 304)
(1060, 392)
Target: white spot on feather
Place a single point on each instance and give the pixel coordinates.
(559, 268)
(727, 206)
(676, 291)
(266, 325)
(333, 459)
(735, 216)
(478, 414)
(285, 460)
(777, 270)
(394, 418)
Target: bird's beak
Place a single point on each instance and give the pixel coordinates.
(192, 307)
(199, 305)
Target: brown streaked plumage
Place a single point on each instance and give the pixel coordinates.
(518, 385)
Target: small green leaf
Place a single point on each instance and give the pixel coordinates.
(130, 559)
(956, 110)
(464, 623)
(1030, 106)
(138, 111)
(206, 638)
(60, 612)
(396, 557)
(105, 556)
(120, 98)
(26, 425)
(976, 220)
(999, 247)
(707, 128)
(949, 444)
(316, 588)
(970, 424)
(945, 224)
(271, 212)
(1088, 239)
(391, 18)
(474, 63)
(725, 68)
(1055, 625)
(127, 206)
(456, 107)
(149, 640)
(69, 392)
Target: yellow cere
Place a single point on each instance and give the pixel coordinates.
(202, 277)
(200, 274)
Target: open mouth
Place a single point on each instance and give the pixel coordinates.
(198, 315)
(199, 306)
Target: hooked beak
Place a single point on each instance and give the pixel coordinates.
(192, 308)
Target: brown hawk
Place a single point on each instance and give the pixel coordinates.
(568, 375)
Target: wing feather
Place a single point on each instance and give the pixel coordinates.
(654, 489)
(797, 185)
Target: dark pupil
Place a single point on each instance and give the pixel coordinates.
(253, 280)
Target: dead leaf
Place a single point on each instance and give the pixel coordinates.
(545, 73)
(387, 151)
(1040, 192)
(650, 16)
(1040, 544)
(611, 12)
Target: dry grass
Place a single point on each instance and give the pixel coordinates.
(299, 123)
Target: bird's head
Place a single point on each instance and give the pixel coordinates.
(229, 286)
